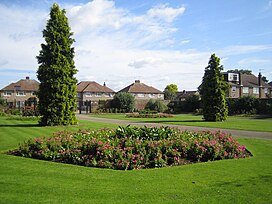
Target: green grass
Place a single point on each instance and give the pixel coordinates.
(233, 122)
(25, 180)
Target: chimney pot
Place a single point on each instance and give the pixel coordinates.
(137, 81)
(27, 78)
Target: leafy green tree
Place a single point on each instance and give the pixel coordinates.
(170, 92)
(155, 105)
(213, 91)
(57, 91)
(123, 101)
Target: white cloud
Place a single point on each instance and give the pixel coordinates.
(165, 13)
(20, 37)
(255, 61)
(110, 43)
(244, 49)
(185, 42)
(102, 17)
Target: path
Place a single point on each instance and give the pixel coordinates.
(241, 133)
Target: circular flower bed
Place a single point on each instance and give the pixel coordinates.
(128, 147)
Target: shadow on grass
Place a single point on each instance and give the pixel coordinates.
(20, 125)
(263, 117)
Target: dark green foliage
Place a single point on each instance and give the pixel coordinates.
(212, 91)
(123, 101)
(30, 112)
(127, 148)
(249, 105)
(192, 103)
(148, 115)
(2, 102)
(170, 92)
(156, 105)
(57, 91)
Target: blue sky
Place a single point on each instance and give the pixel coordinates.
(158, 42)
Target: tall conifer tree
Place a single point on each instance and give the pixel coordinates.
(57, 91)
(213, 92)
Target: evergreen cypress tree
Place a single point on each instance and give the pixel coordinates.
(57, 91)
(213, 92)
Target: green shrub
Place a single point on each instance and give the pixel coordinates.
(30, 112)
(148, 115)
(123, 102)
(249, 105)
(132, 147)
(13, 111)
(156, 105)
(192, 103)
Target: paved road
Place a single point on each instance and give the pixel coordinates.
(241, 133)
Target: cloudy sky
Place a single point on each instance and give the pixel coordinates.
(156, 41)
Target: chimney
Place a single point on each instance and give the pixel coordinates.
(260, 79)
(137, 81)
(260, 84)
(27, 77)
(104, 84)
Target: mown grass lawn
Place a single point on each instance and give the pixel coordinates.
(232, 122)
(25, 180)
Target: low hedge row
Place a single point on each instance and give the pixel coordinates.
(128, 148)
(148, 115)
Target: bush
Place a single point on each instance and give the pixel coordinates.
(192, 103)
(124, 102)
(30, 112)
(156, 105)
(148, 115)
(132, 147)
(249, 105)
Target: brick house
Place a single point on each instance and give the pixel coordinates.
(21, 94)
(247, 85)
(90, 93)
(142, 93)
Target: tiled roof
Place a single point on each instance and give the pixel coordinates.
(185, 94)
(139, 87)
(91, 86)
(250, 80)
(24, 85)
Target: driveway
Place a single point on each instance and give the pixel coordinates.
(240, 133)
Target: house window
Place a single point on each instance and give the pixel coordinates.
(20, 93)
(255, 90)
(7, 93)
(245, 90)
(88, 94)
(160, 95)
(266, 90)
(98, 94)
(140, 95)
(33, 93)
(233, 89)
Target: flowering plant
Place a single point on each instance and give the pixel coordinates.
(129, 147)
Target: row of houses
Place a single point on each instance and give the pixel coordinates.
(240, 84)
(23, 92)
